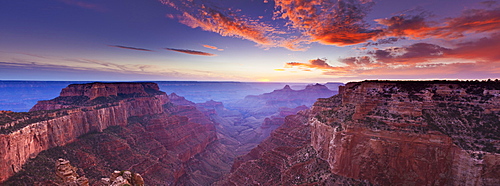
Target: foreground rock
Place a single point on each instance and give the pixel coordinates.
(68, 174)
(385, 133)
(123, 178)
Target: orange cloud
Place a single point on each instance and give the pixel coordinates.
(298, 23)
(319, 64)
(479, 58)
(221, 21)
(193, 52)
(328, 22)
(213, 47)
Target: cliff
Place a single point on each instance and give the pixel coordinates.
(103, 127)
(416, 132)
(285, 158)
(387, 133)
(81, 95)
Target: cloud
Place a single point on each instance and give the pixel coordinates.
(467, 58)
(213, 47)
(484, 49)
(331, 22)
(318, 64)
(85, 5)
(130, 48)
(389, 40)
(415, 53)
(225, 22)
(419, 27)
(298, 23)
(193, 52)
(328, 22)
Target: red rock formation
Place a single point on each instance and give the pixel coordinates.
(394, 133)
(387, 133)
(157, 140)
(94, 90)
(76, 95)
(285, 158)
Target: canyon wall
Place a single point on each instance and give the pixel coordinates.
(422, 133)
(386, 133)
(64, 126)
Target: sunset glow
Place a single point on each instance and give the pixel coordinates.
(226, 40)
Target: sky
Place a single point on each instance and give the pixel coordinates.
(249, 40)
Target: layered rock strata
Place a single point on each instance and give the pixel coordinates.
(150, 135)
(388, 133)
(68, 174)
(422, 133)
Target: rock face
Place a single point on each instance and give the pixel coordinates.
(103, 127)
(387, 133)
(422, 133)
(62, 127)
(67, 174)
(78, 95)
(258, 115)
(123, 178)
(285, 158)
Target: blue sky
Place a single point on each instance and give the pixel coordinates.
(248, 40)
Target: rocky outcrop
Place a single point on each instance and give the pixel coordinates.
(78, 95)
(123, 178)
(387, 133)
(422, 133)
(68, 174)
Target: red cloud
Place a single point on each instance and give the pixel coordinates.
(417, 27)
(213, 47)
(468, 58)
(328, 22)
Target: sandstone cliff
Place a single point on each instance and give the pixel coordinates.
(102, 127)
(386, 133)
(438, 133)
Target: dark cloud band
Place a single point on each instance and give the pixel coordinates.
(130, 48)
(193, 52)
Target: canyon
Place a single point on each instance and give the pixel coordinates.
(370, 133)
(100, 127)
(97, 126)
(384, 133)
